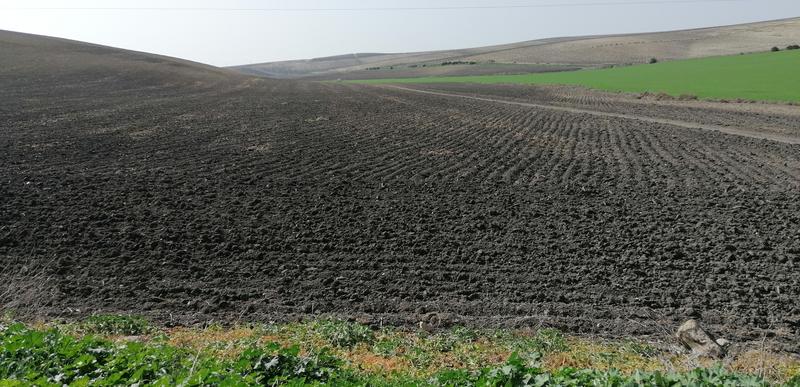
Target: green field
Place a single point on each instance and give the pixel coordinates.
(771, 76)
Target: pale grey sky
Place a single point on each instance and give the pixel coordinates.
(250, 31)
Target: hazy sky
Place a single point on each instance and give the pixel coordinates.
(290, 30)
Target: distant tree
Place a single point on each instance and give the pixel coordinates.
(653, 60)
(775, 49)
(458, 62)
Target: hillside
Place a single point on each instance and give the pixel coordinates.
(570, 52)
(33, 60)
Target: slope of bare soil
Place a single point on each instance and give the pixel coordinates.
(29, 60)
(274, 200)
(586, 51)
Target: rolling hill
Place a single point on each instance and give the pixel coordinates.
(545, 54)
(32, 60)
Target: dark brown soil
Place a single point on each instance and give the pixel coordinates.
(276, 200)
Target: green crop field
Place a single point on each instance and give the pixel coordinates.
(771, 76)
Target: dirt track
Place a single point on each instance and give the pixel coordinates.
(275, 200)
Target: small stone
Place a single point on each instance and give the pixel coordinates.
(430, 322)
(700, 342)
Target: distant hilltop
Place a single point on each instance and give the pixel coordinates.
(545, 54)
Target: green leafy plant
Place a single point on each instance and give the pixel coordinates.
(387, 346)
(345, 334)
(53, 358)
(449, 340)
(544, 341)
(50, 357)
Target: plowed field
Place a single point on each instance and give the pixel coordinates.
(268, 200)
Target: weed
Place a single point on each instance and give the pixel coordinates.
(344, 334)
(108, 324)
(448, 341)
(458, 357)
(387, 346)
(543, 341)
(639, 348)
(53, 358)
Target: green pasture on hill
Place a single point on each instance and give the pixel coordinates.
(770, 76)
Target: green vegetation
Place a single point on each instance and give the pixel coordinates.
(769, 76)
(109, 324)
(330, 352)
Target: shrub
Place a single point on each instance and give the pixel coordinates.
(458, 62)
(653, 60)
(775, 49)
(793, 47)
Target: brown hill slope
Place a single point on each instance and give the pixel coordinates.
(588, 51)
(31, 60)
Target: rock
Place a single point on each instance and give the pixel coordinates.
(430, 322)
(702, 344)
(723, 343)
